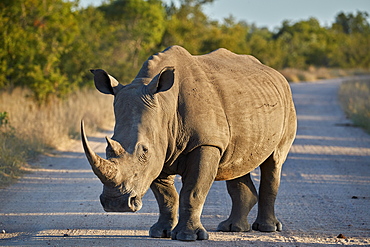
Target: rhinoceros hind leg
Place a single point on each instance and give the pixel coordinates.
(270, 180)
(244, 196)
(168, 201)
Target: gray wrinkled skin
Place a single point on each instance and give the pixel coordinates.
(211, 117)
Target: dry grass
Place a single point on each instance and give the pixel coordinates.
(355, 99)
(28, 129)
(314, 74)
(13, 155)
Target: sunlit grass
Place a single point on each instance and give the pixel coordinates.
(14, 153)
(27, 129)
(355, 99)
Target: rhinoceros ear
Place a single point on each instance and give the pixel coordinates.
(105, 83)
(163, 82)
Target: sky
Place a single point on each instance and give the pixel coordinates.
(271, 13)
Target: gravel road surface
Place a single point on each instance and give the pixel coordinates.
(324, 193)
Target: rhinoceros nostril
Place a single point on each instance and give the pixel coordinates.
(134, 203)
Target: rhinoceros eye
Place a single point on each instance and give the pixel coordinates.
(142, 152)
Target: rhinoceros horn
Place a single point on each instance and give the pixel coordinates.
(104, 169)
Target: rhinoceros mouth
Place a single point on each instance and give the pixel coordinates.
(124, 203)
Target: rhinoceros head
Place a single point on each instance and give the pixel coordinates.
(136, 153)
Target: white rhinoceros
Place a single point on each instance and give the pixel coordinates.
(211, 117)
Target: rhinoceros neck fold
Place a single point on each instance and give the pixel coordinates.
(147, 98)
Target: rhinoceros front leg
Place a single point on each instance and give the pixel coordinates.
(244, 196)
(200, 172)
(270, 180)
(168, 201)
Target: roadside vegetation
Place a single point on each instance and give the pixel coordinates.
(14, 152)
(28, 128)
(355, 99)
(47, 48)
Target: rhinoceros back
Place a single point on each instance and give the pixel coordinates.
(229, 101)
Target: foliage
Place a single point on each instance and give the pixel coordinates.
(3, 118)
(350, 23)
(355, 98)
(37, 36)
(136, 28)
(49, 46)
(187, 26)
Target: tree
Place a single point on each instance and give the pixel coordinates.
(187, 25)
(36, 36)
(304, 43)
(230, 35)
(350, 23)
(136, 28)
(351, 46)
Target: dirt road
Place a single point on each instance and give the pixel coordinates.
(325, 191)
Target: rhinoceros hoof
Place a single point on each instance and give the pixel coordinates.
(267, 227)
(231, 225)
(160, 230)
(189, 235)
